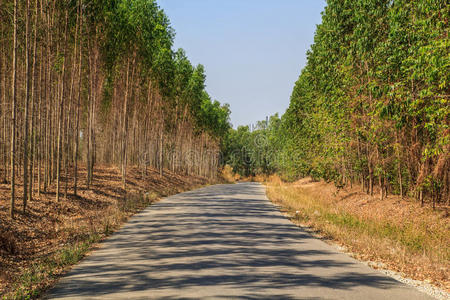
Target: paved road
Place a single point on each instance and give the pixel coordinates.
(220, 242)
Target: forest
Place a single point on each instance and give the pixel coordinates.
(97, 82)
(100, 117)
(370, 108)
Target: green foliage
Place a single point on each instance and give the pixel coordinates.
(140, 32)
(371, 105)
(253, 152)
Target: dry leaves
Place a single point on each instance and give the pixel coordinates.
(47, 226)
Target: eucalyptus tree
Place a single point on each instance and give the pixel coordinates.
(371, 104)
(98, 81)
(13, 109)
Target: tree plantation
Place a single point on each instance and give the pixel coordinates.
(97, 82)
(371, 107)
(104, 122)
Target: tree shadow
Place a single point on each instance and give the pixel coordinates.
(236, 242)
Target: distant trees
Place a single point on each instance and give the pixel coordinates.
(97, 80)
(251, 151)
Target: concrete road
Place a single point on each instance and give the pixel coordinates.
(220, 242)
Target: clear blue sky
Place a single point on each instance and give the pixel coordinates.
(252, 50)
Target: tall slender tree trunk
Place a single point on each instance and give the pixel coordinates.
(66, 149)
(27, 101)
(48, 116)
(13, 110)
(60, 112)
(124, 127)
(72, 80)
(4, 116)
(39, 155)
(161, 160)
(399, 167)
(33, 97)
(77, 129)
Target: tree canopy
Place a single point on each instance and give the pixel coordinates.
(372, 103)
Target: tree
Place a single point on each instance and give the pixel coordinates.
(128, 100)
(13, 110)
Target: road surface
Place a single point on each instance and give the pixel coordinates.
(221, 242)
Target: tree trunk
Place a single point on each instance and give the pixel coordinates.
(13, 109)
(399, 166)
(33, 104)
(77, 130)
(161, 152)
(124, 127)
(60, 118)
(27, 101)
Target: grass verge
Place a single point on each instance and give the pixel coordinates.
(399, 233)
(39, 246)
(44, 272)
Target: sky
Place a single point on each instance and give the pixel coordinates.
(252, 50)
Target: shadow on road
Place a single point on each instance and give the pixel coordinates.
(198, 240)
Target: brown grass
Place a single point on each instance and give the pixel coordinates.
(228, 175)
(43, 243)
(406, 237)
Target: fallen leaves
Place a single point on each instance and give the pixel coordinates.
(48, 226)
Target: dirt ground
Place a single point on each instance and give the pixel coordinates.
(48, 226)
(398, 232)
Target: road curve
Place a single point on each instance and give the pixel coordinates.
(220, 242)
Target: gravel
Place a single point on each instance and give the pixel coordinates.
(422, 286)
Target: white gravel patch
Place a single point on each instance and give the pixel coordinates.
(423, 286)
(420, 285)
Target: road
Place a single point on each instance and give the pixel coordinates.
(221, 242)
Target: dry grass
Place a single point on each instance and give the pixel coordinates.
(40, 245)
(228, 175)
(398, 232)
